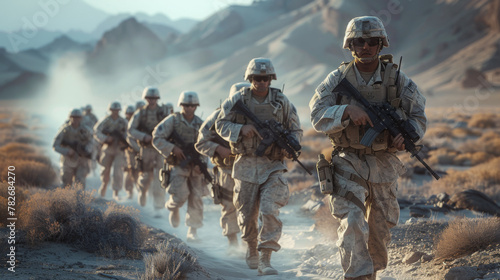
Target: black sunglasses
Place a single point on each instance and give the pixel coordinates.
(360, 42)
(189, 105)
(261, 78)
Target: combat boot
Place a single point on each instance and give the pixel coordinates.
(174, 218)
(252, 256)
(233, 240)
(102, 190)
(115, 195)
(265, 267)
(192, 236)
(142, 198)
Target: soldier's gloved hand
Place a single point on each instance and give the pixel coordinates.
(287, 155)
(108, 140)
(178, 153)
(398, 142)
(223, 151)
(197, 169)
(71, 152)
(357, 115)
(147, 139)
(248, 130)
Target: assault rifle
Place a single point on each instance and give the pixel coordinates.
(78, 148)
(272, 132)
(384, 117)
(192, 156)
(117, 135)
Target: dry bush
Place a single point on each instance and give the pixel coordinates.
(325, 223)
(488, 143)
(484, 120)
(170, 261)
(461, 132)
(438, 131)
(17, 150)
(68, 215)
(4, 125)
(448, 156)
(466, 236)
(484, 177)
(29, 172)
(20, 197)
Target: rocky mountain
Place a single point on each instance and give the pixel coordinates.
(63, 45)
(131, 44)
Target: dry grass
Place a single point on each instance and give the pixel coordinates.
(32, 168)
(171, 261)
(20, 198)
(488, 143)
(466, 236)
(484, 120)
(68, 215)
(448, 156)
(484, 177)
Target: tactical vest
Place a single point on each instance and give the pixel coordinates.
(188, 134)
(110, 125)
(266, 111)
(375, 94)
(148, 120)
(80, 135)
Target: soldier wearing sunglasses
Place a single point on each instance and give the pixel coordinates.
(367, 176)
(260, 188)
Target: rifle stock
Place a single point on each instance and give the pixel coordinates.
(78, 148)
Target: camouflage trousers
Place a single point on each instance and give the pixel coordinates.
(148, 177)
(131, 172)
(186, 185)
(362, 241)
(112, 158)
(74, 173)
(254, 201)
(228, 219)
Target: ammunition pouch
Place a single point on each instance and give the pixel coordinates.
(164, 175)
(216, 193)
(172, 160)
(138, 163)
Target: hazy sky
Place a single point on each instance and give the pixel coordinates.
(174, 9)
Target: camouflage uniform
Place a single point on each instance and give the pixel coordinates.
(131, 170)
(185, 183)
(142, 123)
(370, 173)
(74, 169)
(112, 154)
(222, 173)
(260, 188)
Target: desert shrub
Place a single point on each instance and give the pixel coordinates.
(484, 177)
(16, 150)
(461, 132)
(29, 172)
(445, 156)
(488, 143)
(170, 261)
(448, 156)
(483, 120)
(20, 197)
(466, 236)
(68, 215)
(438, 131)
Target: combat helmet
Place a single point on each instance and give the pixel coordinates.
(76, 113)
(365, 27)
(260, 66)
(130, 109)
(188, 97)
(115, 106)
(150, 92)
(139, 104)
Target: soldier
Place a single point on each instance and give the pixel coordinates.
(186, 182)
(260, 188)
(111, 133)
(74, 143)
(140, 129)
(89, 119)
(210, 144)
(132, 151)
(367, 175)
